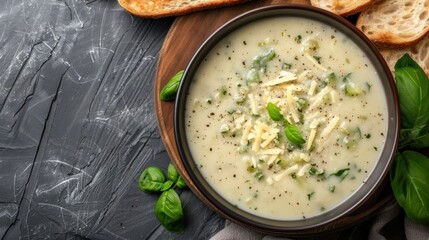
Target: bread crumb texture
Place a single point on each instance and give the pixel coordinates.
(342, 7)
(165, 8)
(395, 23)
(419, 52)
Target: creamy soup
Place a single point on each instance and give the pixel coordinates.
(286, 118)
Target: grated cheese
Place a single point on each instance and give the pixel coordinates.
(303, 170)
(311, 138)
(334, 96)
(283, 78)
(273, 151)
(246, 132)
(270, 181)
(272, 159)
(331, 125)
(253, 104)
(286, 172)
(312, 60)
(258, 138)
(318, 99)
(312, 88)
(269, 140)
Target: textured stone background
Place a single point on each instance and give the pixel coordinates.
(77, 123)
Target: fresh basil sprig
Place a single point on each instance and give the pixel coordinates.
(169, 91)
(409, 176)
(413, 91)
(168, 209)
(410, 183)
(291, 131)
(151, 180)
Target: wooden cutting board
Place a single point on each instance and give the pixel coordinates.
(185, 36)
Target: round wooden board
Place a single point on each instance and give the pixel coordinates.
(185, 36)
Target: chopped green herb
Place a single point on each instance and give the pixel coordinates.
(224, 91)
(332, 188)
(310, 195)
(312, 171)
(302, 103)
(351, 89)
(298, 39)
(368, 86)
(252, 76)
(258, 174)
(286, 65)
(347, 77)
(342, 173)
(231, 111)
(260, 62)
(311, 46)
(317, 58)
(243, 149)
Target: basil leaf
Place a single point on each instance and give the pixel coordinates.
(181, 183)
(274, 112)
(172, 173)
(421, 141)
(415, 137)
(413, 91)
(167, 185)
(169, 91)
(293, 134)
(410, 183)
(151, 179)
(168, 211)
(342, 173)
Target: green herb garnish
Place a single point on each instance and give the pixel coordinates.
(410, 183)
(293, 134)
(409, 175)
(310, 195)
(169, 91)
(274, 112)
(151, 179)
(291, 131)
(168, 209)
(342, 173)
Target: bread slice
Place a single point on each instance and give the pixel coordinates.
(165, 8)
(395, 23)
(419, 52)
(342, 7)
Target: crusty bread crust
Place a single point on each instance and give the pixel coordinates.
(166, 8)
(419, 52)
(342, 7)
(395, 23)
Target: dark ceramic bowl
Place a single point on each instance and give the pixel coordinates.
(364, 194)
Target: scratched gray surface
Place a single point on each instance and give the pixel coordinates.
(77, 123)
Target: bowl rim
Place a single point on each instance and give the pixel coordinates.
(293, 227)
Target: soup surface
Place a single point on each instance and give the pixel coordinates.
(286, 118)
